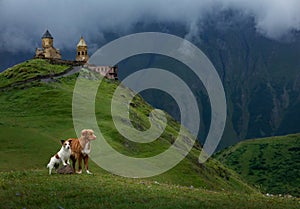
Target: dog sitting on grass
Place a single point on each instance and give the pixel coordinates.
(81, 149)
(63, 156)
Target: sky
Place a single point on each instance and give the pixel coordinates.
(67, 20)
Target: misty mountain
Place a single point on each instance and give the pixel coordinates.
(261, 76)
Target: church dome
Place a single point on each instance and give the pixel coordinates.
(47, 35)
(81, 42)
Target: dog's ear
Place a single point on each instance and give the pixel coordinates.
(84, 132)
(70, 141)
(62, 141)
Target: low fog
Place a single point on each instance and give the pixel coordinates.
(23, 22)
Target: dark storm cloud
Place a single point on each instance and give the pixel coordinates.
(22, 22)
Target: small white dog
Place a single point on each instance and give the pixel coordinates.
(62, 156)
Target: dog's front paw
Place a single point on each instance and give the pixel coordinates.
(88, 172)
(79, 172)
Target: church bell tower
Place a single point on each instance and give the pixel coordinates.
(82, 54)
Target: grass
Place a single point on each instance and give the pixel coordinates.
(36, 116)
(272, 163)
(36, 189)
(28, 70)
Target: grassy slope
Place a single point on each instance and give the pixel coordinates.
(35, 116)
(270, 163)
(36, 189)
(28, 70)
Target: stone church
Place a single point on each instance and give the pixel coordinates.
(47, 50)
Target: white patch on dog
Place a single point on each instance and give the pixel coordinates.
(87, 148)
(62, 156)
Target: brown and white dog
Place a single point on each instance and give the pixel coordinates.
(81, 149)
(63, 156)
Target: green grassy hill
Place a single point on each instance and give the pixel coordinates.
(273, 163)
(36, 189)
(35, 115)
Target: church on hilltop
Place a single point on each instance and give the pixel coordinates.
(48, 51)
(82, 54)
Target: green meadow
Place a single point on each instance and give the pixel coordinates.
(272, 163)
(36, 115)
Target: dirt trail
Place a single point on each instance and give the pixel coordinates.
(66, 73)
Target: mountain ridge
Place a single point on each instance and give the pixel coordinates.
(261, 78)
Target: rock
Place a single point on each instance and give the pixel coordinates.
(67, 169)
